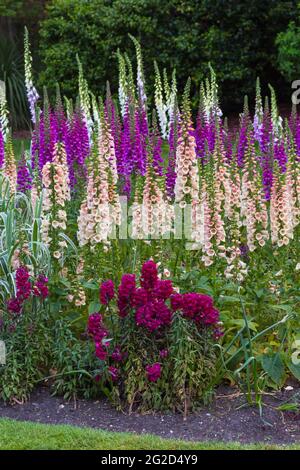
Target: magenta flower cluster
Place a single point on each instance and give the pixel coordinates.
(126, 292)
(149, 275)
(98, 333)
(117, 355)
(24, 289)
(148, 301)
(197, 307)
(153, 372)
(40, 289)
(107, 292)
(152, 304)
(153, 315)
(23, 283)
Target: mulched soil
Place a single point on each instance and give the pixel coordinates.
(229, 418)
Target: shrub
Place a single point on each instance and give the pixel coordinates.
(73, 364)
(24, 326)
(155, 345)
(238, 40)
(288, 43)
(12, 73)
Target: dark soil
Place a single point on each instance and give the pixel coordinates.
(229, 418)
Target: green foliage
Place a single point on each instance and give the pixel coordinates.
(10, 7)
(192, 365)
(12, 73)
(187, 371)
(274, 366)
(28, 345)
(74, 365)
(288, 43)
(238, 40)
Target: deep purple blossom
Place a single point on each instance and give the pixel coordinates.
(114, 373)
(139, 146)
(149, 275)
(40, 288)
(107, 292)
(164, 353)
(98, 333)
(14, 305)
(153, 372)
(197, 307)
(125, 294)
(23, 284)
(125, 161)
(46, 139)
(24, 179)
(95, 327)
(280, 155)
(153, 315)
(200, 135)
(117, 355)
(163, 289)
(77, 146)
(266, 159)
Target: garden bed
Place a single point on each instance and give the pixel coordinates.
(229, 418)
(148, 257)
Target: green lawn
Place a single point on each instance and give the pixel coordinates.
(17, 435)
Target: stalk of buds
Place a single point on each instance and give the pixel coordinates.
(56, 193)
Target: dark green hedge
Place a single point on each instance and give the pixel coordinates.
(237, 37)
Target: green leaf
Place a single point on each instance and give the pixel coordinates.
(274, 367)
(286, 308)
(35, 237)
(94, 306)
(259, 293)
(240, 322)
(295, 370)
(289, 407)
(65, 282)
(90, 285)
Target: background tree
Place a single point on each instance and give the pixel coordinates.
(288, 42)
(238, 38)
(14, 15)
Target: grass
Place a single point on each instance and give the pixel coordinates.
(18, 435)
